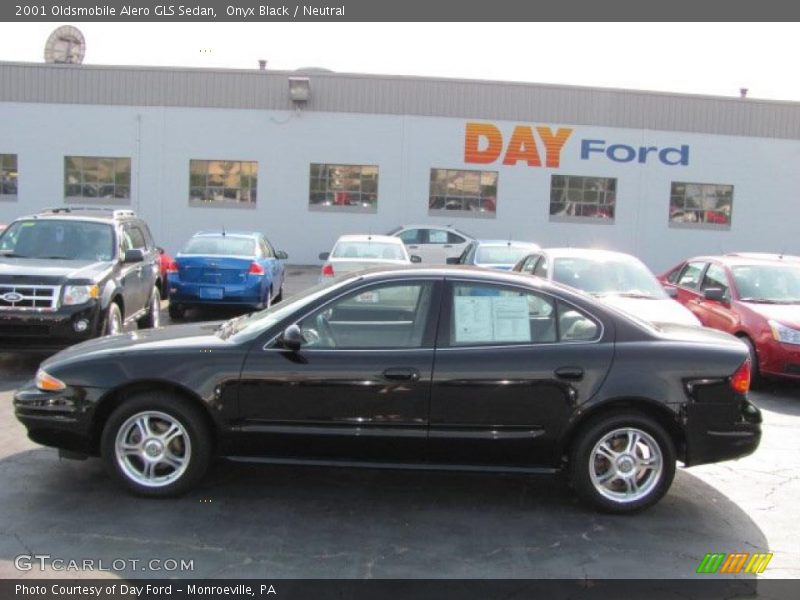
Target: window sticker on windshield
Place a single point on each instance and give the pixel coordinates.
(486, 319)
(367, 298)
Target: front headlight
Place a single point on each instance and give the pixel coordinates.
(78, 294)
(48, 383)
(784, 334)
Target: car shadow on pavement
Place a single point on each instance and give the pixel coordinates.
(258, 520)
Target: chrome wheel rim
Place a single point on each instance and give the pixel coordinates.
(114, 322)
(155, 310)
(626, 465)
(153, 449)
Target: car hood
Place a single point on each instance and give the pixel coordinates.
(172, 337)
(663, 310)
(788, 314)
(36, 270)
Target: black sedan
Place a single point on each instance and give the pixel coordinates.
(435, 368)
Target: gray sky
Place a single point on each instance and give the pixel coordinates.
(702, 58)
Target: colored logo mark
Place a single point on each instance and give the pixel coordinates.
(737, 562)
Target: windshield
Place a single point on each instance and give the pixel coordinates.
(502, 255)
(221, 245)
(779, 283)
(369, 250)
(627, 277)
(253, 324)
(54, 240)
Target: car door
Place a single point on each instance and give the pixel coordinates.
(134, 277)
(359, 386)
(715, 313)
(437, 245)
(688, 286)
(271, 265)
(512, 366)
(413, 239)
(455, 245)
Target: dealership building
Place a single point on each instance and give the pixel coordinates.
(306, 156)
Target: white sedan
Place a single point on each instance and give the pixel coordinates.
(617, 279)
(356, 252)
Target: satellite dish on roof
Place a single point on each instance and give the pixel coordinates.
(65, 45)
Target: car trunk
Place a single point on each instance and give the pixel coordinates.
(214, 270)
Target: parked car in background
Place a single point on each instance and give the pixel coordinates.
(433, 244)
(443, 367)
(357, 252)
(494, 254)
(219, 268)
(615, 278)
(753, 296)
(74, 273)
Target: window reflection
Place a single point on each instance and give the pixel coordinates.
(339, 186)
(472, 192)
(223, 182)
(92, 177)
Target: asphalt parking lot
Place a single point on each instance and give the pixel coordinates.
(264, 521)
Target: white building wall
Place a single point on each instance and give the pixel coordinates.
(161, 141)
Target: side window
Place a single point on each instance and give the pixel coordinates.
(715, 278)
(575, 326)
(437, 236)
(483, 314)
(266, 249)
(541, 268)
(411, 236)
(382, 316)
(455, 239)
(690, 275)
(134, 236)
(125, 240)
(148, 237)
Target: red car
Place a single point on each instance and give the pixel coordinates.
(754, 296)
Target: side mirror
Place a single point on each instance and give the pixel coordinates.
(716, 294)
(453, 260)
(324, 255)
(671, 292)
(133, 255)
(415, 259)
(281, 255)
(292, 338)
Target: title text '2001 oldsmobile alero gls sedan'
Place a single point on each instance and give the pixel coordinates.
(447, 367)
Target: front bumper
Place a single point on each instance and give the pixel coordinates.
(44, 331)
(59, 419)
(776, 359)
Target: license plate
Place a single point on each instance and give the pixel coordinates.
(211, 293)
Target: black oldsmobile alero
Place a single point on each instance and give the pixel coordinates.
(446, 367)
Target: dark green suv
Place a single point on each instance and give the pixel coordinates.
(71, 274)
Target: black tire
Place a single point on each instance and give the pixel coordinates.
(153, 317)
(176, 311)
(755, 373)
(583, 462)
(162, 410)
(279, 297)
(113, 322)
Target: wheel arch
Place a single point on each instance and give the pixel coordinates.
(115, 397)
(648, 407)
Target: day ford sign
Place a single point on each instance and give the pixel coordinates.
(538, 146)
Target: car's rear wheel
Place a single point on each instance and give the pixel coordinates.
(176, 311)
(156, 444)
(279, 297)
(153, 317)
(622, 463)
(113, 322)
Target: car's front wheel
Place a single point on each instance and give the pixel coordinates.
(156, 444)
(153, 317)
(622, 463)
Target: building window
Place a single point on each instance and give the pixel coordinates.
(576, 198)
(8, 176)
(95, 179)
(705, 205)
(471, 193)
(229, 183)
(343, 187)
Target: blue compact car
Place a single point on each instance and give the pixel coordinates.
(221, 268)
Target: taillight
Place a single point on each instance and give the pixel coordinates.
(327, 270)
(256, 269)
(740, 381)
(172, 267)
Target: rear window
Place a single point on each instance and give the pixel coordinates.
(221, 245)
(369, 250)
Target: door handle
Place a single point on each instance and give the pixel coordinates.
(569, 373)
(401, 374)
